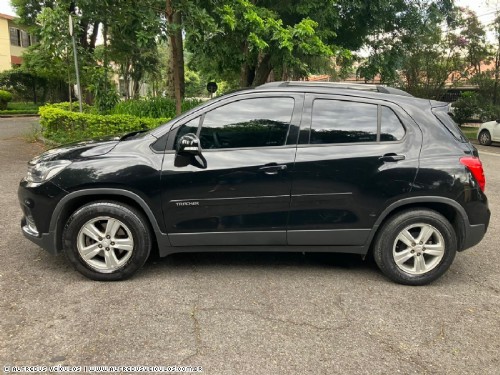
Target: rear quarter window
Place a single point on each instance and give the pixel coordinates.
(446, 120)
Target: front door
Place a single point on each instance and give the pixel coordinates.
(237, 192)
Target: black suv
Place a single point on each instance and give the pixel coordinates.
(288, 166)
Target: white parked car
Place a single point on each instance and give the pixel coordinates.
(489, 132)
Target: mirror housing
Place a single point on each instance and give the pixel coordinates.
(189, 144)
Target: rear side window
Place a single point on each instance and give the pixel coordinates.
(391, 128)
(259, 122)
(335, 121)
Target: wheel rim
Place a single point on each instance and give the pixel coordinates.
(485, 138)
(418, 249)
(105, 244)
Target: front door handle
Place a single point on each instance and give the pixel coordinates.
(392, 157)
(273, 169)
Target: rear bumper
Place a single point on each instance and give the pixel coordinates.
(475, 234)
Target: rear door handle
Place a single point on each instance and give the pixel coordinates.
(392, 157)
(273, 169)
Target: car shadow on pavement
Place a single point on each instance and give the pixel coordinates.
(261, 260)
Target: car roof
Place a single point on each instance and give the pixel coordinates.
(337, 85)
(349, 89)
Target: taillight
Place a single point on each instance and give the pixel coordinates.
(476, 168)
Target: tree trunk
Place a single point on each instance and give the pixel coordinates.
(136, 88)
(497, 76)
(34, 90)
(174, 28)
(93, 36)
(180, 52)
(247, 75)
(169, 91)
(263, 70)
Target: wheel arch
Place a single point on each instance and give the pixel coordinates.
(447, 207)
(71, 202)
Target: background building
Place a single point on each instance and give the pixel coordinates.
(13, 41)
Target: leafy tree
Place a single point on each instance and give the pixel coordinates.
(247, 40)
(132, 42)
(51, 58)
(474, 38)
(412, 51)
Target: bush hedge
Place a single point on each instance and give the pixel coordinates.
(73, 107)
(8, 112)
(62, 126)
(152, 107)
(5, 97)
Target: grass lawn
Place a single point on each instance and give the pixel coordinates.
(469, 131)
(20, 108)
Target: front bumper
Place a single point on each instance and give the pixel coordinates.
(46, 241)
(38, 204)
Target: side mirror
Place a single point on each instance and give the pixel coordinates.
(189, 144)
(498, 121)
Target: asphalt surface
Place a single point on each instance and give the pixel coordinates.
(245, 313)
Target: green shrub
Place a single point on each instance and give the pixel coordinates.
(5, 97)
(466, 107)
(18, 112)
(63, 126)
(74, 106)
(16, 108)
(153, 107)
(489, 112)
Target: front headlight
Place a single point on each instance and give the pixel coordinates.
(43, 171)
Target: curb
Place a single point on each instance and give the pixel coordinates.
(19, 115)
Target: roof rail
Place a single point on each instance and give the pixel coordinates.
(337, 85)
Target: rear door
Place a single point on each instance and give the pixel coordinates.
(238, 191)
(354, 157)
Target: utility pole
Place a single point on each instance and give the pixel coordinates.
(72, 11)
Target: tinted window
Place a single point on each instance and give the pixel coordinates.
(189, 127)
(445, 119)
(336, 121)
(247, 123)
(391, 128)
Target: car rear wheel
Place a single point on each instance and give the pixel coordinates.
(107, 241)
(485, 138)
(415, 247)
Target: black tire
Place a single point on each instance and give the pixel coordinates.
(485, 138)
(391, 242)
(132, 229)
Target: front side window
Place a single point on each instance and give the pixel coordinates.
(335, 121)
(259, 122)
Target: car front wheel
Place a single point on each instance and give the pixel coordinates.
(415, 247)
(485, 138)
(107, 241)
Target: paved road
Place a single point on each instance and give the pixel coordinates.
(246, 313)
